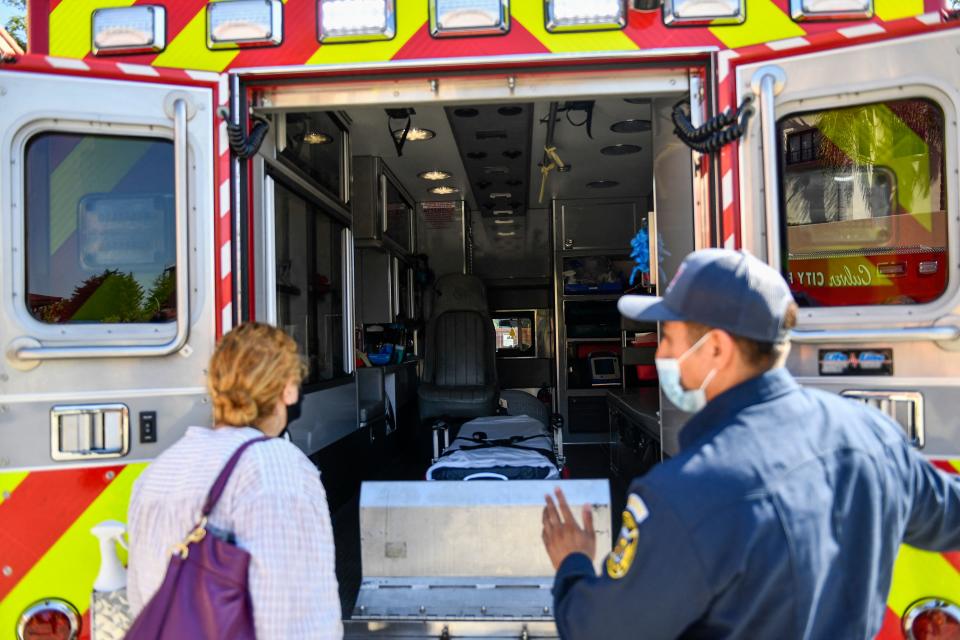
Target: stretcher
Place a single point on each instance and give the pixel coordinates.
(524, 446)
(498, 448)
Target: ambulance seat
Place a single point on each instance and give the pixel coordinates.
(459, 369)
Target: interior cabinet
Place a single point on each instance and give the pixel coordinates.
(383, 211)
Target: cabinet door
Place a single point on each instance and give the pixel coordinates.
(597, 224)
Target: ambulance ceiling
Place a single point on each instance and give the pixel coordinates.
(493, 151)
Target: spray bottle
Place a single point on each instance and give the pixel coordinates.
(110, 610)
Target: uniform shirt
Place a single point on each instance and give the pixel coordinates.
(780, 518)
(275, 506)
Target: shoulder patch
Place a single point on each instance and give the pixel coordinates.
(621, 558)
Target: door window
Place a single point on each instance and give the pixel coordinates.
(309, 283)
(864, 202)
(100, 229)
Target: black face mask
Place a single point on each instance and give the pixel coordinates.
(293, 413)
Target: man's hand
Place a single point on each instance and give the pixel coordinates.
(562, 536)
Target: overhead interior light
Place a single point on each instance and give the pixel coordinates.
(703, 12)
(602, 184)
(444, 190)
(317, 137)
(507, 221)
(631, 126)
(802, 10)
(355, 20)
(506, 234)
(500, 195)
(435, 174)
(503, 212)
(231, 23)
(415, 134)
(621, 149)
(138, 29)
(450, 18)
(584, 15)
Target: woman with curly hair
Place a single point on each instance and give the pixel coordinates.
(273, 505)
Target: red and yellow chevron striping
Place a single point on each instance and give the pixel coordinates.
(46, 548)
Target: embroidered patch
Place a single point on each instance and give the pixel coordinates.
(621, 558)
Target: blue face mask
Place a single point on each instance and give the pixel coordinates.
(668, 369)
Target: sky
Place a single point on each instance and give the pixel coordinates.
(5, 13)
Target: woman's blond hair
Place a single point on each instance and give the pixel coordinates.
(248, 372)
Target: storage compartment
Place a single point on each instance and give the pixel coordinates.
(588, 414)
(591, 319)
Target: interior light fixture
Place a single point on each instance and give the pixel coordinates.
(584, 15)
(415, 134)
(317, 137)
(621, 149)
(443, 190)
(703, 12)
(435, 174)
(631, 126)
(231, 23)
(506, 234)
(503, 212)
(803, 10)
(355, 20)
(450, 18)
(137, 29)
(508, 221)
(602, 184)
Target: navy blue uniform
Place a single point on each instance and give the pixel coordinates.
(780, 518)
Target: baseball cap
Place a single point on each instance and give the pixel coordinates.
(721, 288)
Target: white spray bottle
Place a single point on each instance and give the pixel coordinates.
(112, 575)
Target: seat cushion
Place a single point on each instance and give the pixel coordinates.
(459, 402)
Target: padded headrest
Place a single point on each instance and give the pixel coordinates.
(459, 292)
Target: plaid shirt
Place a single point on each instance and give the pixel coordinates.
(275, 506)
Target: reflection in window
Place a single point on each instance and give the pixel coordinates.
(864, 199)
(101, 231)
(513, 334)
(309, 284)
(313, 144)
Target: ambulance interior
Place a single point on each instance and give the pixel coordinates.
(540, 216)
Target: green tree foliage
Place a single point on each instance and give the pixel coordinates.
(17, 24)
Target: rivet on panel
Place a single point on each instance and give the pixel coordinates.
(110, 475)
(8, 571)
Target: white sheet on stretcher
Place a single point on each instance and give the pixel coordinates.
(497, 428)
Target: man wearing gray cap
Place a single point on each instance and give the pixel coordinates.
(782, 514)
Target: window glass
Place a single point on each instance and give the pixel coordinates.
(100, 229)
(514, 334)
(309, 283)
(864, 198)
(399, 216)
(313, 146)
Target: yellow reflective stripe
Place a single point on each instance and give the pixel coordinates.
(955, 464)
(188, 50)
(896, 9)
(920, 574)
(78, 175)
(873, 135)
(70, 566)
(410, 19)
(530, 15)
(10, 481)
(765, 22)
(70, 26)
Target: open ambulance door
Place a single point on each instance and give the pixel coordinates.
(848, 184)
(108, 307)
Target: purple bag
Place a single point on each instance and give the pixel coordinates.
(204, 593)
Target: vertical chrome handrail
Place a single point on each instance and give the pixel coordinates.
(767, 83)
(181, 182)
(653, 249)
(347, 270)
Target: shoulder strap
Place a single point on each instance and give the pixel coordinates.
(221, 482)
